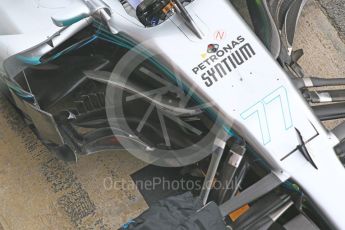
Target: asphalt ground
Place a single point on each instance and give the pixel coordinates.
(335, 10)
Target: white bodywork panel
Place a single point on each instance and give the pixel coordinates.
(256, 97)
(25, 23)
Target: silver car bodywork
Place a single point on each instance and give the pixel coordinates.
(254, 96)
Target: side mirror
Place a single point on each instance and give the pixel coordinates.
(80, 10)
(73, 14)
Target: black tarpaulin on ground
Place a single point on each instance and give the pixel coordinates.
(183, 212)
(166, 178)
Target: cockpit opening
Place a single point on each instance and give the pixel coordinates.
(152, 12)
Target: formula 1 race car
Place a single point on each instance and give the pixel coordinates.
(178, 82)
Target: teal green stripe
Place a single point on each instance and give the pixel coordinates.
(29, 60)
(73, 20)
